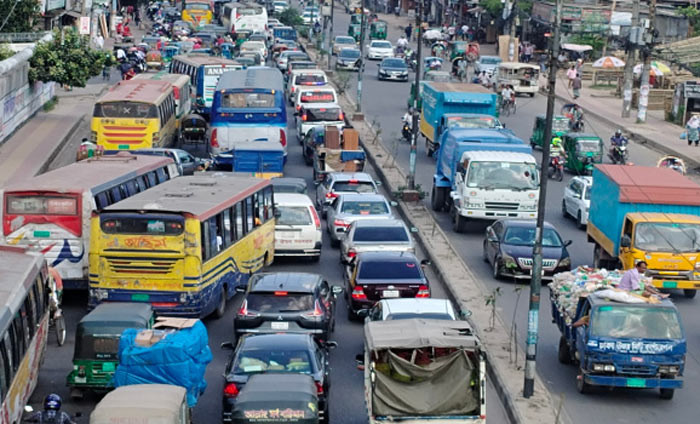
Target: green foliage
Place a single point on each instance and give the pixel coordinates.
(5, 52)
(693, 16)
(595, 41)
(24, 15)
(291, 17)
(494, 7)
(67, 59)
(525, 6)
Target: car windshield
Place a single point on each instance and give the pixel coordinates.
(502, 175)
(487, 60)
(279, 301)
(525, 236)
(667, 237)
(635, 322)
(322, 114)
(588, 146)
(473, 122)
(350, 54)
(365, 208)
(344, 40)
(381, 44)
(382, 270)
(354, 186)
(380, 234)
(587, 193)
(294, 215)
(394, 63)
(253, 361)
(411, 315)
(560, 125)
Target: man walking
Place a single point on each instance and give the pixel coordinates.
(409, 31)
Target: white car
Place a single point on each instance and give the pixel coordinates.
(254, 46)
(298, 226)
(379, 49)
(310, 17)
(407, 308)
(304, 78)
(308, 95)
(577, 200)
(319, 115)
(280, 6)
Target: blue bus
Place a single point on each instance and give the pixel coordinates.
(204, 72)
(248, 107)
(284, 33)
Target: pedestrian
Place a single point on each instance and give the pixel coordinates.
(409, 31)
(106, 72)
(576, 85)
(529, 51)
(100, 41)
(465, 31)
(692, 130)
(571, 75)
(451, 32)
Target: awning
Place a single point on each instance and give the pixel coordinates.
(576, 47)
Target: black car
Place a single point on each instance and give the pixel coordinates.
(373, 276)
(266, 395)
(289, 185)
(348, 59)
(288, 302)
(276, 353)
(508, 249)
(393, 68)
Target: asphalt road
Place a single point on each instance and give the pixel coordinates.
(385, 103)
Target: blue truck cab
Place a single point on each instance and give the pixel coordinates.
(456, 141)
(629, 345)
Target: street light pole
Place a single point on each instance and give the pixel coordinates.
(511, 36)
(330, 36)
(536, 281)
(629, 64)
(644, 85)
(362, 58)
(416, 89)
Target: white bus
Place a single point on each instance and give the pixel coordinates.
(244, 17)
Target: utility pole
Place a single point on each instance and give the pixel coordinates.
(362, 58)
(533, 315)
(644, 82)
(512, 57)
(330, 36)
(612, 12)
(416, 89)
(629, 63)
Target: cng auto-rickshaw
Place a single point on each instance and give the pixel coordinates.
(277, 398)
(143, 403)
(168, 52)
(582, 152)
(154, 60)
(97, 344)
(356, 18)
(378, 30)
(560, 126)
(457, 49)
(354, 31)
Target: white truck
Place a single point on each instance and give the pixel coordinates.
(491, 184)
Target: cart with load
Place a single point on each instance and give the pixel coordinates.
(338, 153)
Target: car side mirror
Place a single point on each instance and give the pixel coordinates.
(337, 291)
(393, 203)
(625, 241)
(331, 344)
(227, 345)
(363, 313)
(568, 243)
(360, 361)
(378, 183)
(425, 262)
(414, 230)
(464, 314)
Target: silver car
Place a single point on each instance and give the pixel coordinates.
(488, 64)
(348, 208)
(337, 183)
(371, 235)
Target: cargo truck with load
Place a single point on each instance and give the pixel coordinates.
(441, 98)
(647, 214)
(485, 174)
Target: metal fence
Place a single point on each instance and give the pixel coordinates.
(21, 37)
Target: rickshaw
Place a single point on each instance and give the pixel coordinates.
(169, 52)
(150, 40)
(582, 152)
(144, 403)
(354, 31)
(185, 46)
(438, 48)
(277, 398)
(193, 129)
(672, 162)
(377, 30)
(356, 18)
(154, 60)
(473, 51)
(560, 126)
(457, 49)
(574, 113)
(227, 50)
(97, 344)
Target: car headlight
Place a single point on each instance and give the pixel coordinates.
(604, 367)
(565, 262)
(382, 71)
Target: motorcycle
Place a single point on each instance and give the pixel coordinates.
(406, 132)
(556, 168)
(618, 153)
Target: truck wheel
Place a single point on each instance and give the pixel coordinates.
(666, 394)
(581, 384)
(564, 351)
(459, 223)
(221, 308)
(689, 294)
(437, 198)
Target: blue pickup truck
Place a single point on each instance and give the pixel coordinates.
(629, 345)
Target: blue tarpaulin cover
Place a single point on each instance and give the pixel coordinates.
(180, 359)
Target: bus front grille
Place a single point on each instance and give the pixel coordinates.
(119, 265)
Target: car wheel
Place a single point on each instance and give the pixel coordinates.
(496, 268)
(484, 255)
(351, 314)
(564, 213)
(334, 242)
(579, 221)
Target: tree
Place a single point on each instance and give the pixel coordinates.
(291, 17)
(693, 16)
(494, 7)
(67, 59)
(24, 15)
(5, 52)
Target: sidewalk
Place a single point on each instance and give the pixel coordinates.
(656, 132)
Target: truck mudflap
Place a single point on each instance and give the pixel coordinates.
(632, 382)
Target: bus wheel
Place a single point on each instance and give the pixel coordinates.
(221, 308)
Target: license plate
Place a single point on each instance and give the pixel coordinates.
(280, 325)
(390, 293)
(38, 234)
(138, 297)
(636, 382)
(637, 359)
(669, 285)
(289, 235)
(81, 379)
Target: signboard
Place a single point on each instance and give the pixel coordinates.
(55, 4)
(543, 12)
(84, 25)
(621, 18)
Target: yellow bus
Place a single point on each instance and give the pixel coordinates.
(24, 325)
(135, 114)
(198, 12)
(183, 246)
(181, 89)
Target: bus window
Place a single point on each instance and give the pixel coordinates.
(102, 200)
(7, 351)
(141, 183)
(162, 175)
(152, 179)
(269, 214)
(204, 228)
(131, 187)
(240, 221)
(116, 194)
(227, 227)
(4, 374)
(249, 213)
(24, 322)
(214, 239)
(260, 199)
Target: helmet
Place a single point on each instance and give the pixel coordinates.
(618, 133)
(556, 141)
(52, 402)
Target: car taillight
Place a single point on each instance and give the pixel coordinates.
(231, 390)
(281, 293)
(317, 221)
(341, 117)
(319, 388)
(243, 311)
(304, 117)
(298, 108)
(423, 291)
(294, 89)
(351, 253)
(331, 195)
(358, 293)
(283, 138)
(317, 312)
(341, 223)
(214, 138)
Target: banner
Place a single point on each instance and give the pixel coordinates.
(84, 25)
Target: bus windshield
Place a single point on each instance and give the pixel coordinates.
(240, 100)
(125, 110)
(146, 225)
(250, 11)
(197, 6)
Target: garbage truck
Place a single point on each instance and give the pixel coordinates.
(423, 371)
(650, 214)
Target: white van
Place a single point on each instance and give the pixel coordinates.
(306, 95)
(298, 226)
(304, 78)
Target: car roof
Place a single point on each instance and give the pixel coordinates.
(286, 281)
(409, 305)
(380, 41)
(292, 199)
(368, 197)
(379, 223)
(277, 341)
(349, 49)
(313, 71)
(347, 176)
(524, 223)
(326, 87)
(345, 37)
(377, 256)
(120, 313)
(587, 180)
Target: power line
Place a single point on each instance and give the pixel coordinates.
(9, 14)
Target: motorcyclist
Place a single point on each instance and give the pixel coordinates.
(617, 140)
(407, 125)
(52, 412)
(402, 43)
(556, 149)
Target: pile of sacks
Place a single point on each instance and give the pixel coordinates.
(567, 287)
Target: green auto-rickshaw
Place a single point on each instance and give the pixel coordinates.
(377, 30)
(354, 31)
(582, 152)
(457, 49)
(356, 18)
(560, 126)
(97, 344)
